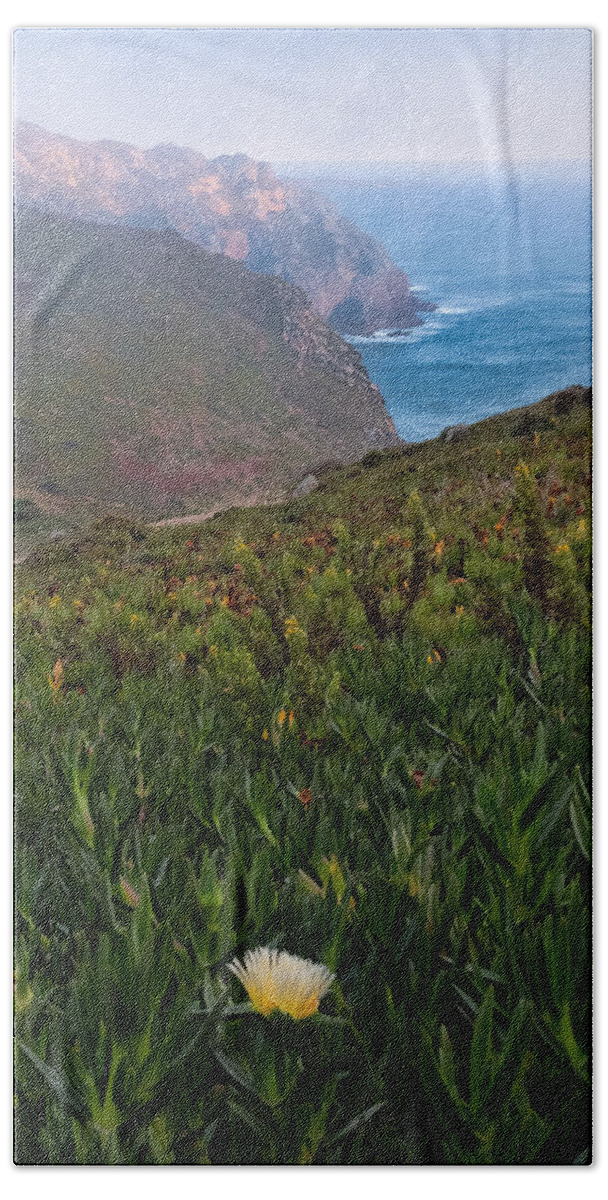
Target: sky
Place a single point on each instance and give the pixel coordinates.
(315, 95)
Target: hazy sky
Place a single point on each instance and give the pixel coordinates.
(315, 95)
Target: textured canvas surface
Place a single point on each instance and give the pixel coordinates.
(302, 633)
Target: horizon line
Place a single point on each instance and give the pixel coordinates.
(336, 164)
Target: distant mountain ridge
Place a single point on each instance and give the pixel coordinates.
(156, 379)
(231, 205)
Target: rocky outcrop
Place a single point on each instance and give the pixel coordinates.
(453, 433)
(306, 485)
(315, 343)
(230, 205)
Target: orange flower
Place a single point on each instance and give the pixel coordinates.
(281, 718)
(292, 717)
(305, 797)
(56, 679)
(128, 893)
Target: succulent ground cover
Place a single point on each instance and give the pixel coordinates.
(354, 728)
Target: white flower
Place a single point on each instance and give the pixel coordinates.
(276, 979)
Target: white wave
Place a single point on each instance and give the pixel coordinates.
(433, 323)
(379, 339)
(463, 308)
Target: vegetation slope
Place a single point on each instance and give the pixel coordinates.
(355, 727)
(154, 378)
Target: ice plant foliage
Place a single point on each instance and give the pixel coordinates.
(276, 979)
(304, 740)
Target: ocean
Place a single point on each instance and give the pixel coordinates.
(506, 259)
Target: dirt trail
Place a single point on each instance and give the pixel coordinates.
(189, 520)
(258, 498)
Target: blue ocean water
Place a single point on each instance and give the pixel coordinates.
(506, 258)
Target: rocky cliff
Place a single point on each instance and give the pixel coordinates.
(156, 378)
(229, 205)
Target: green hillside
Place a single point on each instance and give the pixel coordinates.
(354, 727)
(154, 378)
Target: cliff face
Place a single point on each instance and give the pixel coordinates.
(229, 205)
(157, 379)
